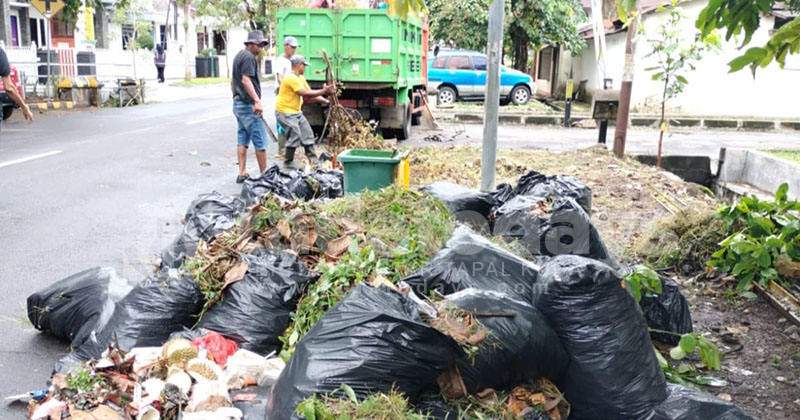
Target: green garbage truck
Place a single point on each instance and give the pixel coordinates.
(379, 59)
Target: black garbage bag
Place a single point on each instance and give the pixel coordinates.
(208, 215)
(254, 311)
(613, 372)
(436, 409)
(198, 226)
(539, 185)
(689, 404)
(520, 346)
(666, 311)
(293, 185)
(467, 205)
(501, 194)
(469, 260)
(215, 203)
(328, 183)
(272, 180)
(374, 341)
(157, 307)
(71, 308)
(546, 227)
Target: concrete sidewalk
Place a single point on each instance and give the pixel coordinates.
(165, 92)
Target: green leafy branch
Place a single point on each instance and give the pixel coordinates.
(685, 373)
(764, 232)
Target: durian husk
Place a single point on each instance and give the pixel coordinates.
(178, 351)
(203, 369)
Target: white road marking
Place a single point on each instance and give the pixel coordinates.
(29, 158)
(216, 117)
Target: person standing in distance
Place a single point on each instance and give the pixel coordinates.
(11, 90)
(160, 60)
(288, 110)
(246, 89)
(283, 66)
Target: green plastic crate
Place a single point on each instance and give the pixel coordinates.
(368, 169)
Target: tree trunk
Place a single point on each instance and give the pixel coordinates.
(132, 46)
(187, 24)
(227, 54)
(520, 48)
(661, 126)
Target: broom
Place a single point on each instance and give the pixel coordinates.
(427, 116)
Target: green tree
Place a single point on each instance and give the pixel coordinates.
(537, 23)
(744, 16)
(187, 25)
(224, 15)
(675, 54)
(133, 14)
(459, 23)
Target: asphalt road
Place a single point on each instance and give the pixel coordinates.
(108, 187)
(103, 188)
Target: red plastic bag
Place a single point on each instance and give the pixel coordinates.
(218, 346)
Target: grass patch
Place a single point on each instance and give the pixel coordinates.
(392, 406)
(199, 81)
(792, 155)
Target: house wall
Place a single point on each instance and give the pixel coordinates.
(711, 91)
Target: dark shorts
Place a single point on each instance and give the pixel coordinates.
(251, 127)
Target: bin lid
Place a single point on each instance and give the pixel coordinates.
(365, 155)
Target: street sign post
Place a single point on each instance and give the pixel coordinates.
(45, 6)
(48, 8)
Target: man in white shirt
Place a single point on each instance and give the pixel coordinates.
(283, 66)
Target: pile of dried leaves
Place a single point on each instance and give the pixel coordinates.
(348, 130)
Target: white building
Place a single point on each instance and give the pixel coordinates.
(711, 91)
(24, 31)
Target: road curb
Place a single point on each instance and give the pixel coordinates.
(56, 105)
(697, 123)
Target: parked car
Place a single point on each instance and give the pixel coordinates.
(461, 74)
(5, 100)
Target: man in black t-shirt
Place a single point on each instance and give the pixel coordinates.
(246, 90)
(11, 90)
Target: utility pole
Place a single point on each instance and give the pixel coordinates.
(621, 132)
(494, 50)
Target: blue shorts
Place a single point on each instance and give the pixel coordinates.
(251, 128)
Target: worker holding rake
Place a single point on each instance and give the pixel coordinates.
(288, 110)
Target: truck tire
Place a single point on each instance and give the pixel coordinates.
(404, 132)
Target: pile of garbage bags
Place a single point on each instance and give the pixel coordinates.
(561, 316)
(544, 215)
(293, 185)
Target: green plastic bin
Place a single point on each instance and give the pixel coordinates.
(368, 169)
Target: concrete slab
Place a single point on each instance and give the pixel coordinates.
(760, 170)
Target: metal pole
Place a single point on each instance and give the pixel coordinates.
(49, 48)
(494, 49)
(621, 131)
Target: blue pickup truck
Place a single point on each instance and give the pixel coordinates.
(461, 74)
